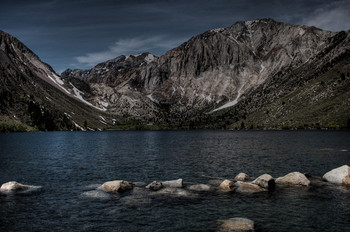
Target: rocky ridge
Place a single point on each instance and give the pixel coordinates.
(255, 74)
(212, 72)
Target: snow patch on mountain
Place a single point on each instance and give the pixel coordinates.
(216, 30)
(104, 104)
(262, 68)
(150, 97)
(57, 80)
(102, 118)
(149, 58)
(231, 103)
(78, 94)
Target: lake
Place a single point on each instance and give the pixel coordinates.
(70, 165)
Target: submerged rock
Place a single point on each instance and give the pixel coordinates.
(96, 194)
(139, 184)
(200, 187)
(294, 178)
(92, 186)
(244, 187)
(237, 224)
(265, 181)
(116, 186)
(174, 192)
(227, 185)
(137, 197)
(215, 182)
(155, 186)
(242, 177)
(14, 186)
(339, 175)
(173, 183)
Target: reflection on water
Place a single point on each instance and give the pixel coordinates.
(69, 166)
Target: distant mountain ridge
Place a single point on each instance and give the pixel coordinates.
(255, 74)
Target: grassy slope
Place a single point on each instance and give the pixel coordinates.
(323, 102)
(8, 124)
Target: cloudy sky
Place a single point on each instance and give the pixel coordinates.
(82, 33)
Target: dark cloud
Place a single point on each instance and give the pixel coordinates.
(64, 32)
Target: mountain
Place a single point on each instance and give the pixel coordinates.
(34, 97)
(259, 74)
(228, 77)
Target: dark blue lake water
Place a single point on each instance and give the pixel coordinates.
(68, 164)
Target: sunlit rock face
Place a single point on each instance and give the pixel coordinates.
(227, 185)
(340, 175)
(116, 186)
(294, 178)
(210, 72)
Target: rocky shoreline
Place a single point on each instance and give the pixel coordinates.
(242, 184)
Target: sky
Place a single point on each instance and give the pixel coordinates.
(82, 33)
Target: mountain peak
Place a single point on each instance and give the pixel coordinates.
(251, 69)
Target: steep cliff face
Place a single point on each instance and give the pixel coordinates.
(220, 65)
(314, 95)
(211, 72)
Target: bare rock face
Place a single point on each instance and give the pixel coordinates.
(265, 181)
(227, 185)
(242, 177)
(236, 225)
(244, 187)
(339, 175)
(117, 186)
(294, 178)
(210, 72)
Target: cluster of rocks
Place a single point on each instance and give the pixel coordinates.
(340, 175)
(264, 182)
(241, 184)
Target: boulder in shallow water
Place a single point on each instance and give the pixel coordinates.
(242, 177)
(339, 175)
(173, 183)
(294, 178)
(244, 187)
(200, 187)
(227, 185)
(265, 181)
(14, 186)
(155, 186)
(237, 224)
(117, 186)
